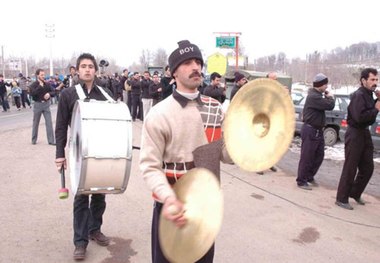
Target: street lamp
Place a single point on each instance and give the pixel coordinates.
(50, 34)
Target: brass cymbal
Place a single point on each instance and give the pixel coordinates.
(200, 192)
(259, 124)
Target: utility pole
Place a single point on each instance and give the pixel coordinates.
(2, 60)
(50, 34)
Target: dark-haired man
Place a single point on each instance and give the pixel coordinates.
(214, 90)
(88, 216)
(358, 145)
(167, 150)
(41, 92)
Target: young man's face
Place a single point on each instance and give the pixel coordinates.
(41, 76)
(371, 82)
(86, 70)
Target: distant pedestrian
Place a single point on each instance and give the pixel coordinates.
(168, 83)
(215, 90)
(146, 97)
(155, 89)
(16, 93)
(23, 84)
(358, 146)
(4, 94)
(41, 93)
(317, 102)
(240, 81)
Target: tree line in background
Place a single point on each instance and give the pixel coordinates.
(341, 65)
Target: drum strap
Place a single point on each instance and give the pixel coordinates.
(82, 96)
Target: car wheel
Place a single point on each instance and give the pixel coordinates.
(330, 135)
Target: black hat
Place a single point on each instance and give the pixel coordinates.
(320, 80)
(185, 51)
(238, 76)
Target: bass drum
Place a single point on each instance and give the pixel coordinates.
(100, 147)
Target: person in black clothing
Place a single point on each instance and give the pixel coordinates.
(146, 98)
(136, 95)
(88, 217)
(126, 93)
(214, 90)
(313, 142)
(155, 89)
(3, 93)
(168, 83)
(358, 147)
(41, 92)
(240, 81)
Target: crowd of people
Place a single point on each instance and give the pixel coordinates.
(180, 98)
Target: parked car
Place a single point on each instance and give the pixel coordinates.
(333, 117)
(374, 129)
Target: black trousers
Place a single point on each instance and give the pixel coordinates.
(358, 164)
(87, 217)
(312, 153)
(157, 255)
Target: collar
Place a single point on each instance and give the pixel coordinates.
(369, 92)
(183, 101)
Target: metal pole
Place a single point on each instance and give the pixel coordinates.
(2, 60)
(237, 53)
(50, 35)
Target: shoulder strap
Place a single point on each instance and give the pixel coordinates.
(105, 94)
(82, 96)
(80, 92)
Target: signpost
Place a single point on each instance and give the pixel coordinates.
(226, 42)
(230, 40)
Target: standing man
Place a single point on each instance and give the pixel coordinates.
(4, 94)
(136, 95)
(240, 81)
(23, 84)
(146, 98)
(318, 100)
(168, 83)
(41, 92)
(88, 216)
(358, 146)
(214, 90)
(155, 89)
(167, 150)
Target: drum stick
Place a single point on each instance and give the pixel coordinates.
(63, 192)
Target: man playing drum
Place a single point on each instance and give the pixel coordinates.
(191, 121)
(88, 218)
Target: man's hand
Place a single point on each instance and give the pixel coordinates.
(173, 210)
(59, 162)
(377, 105)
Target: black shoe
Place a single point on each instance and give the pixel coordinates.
(33, 143)
(99, 238)
(53, 143)
(79, 253)
(313, 183)
(359, 201)
(305, 186)
(344, 205)
(273, 169)
(260, 173)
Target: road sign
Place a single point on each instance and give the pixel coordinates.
(226, 42)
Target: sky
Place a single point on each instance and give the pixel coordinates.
(120, 30)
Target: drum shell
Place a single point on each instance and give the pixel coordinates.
(100, 147)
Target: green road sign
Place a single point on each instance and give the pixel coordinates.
(226, 42)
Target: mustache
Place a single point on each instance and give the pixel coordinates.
(195, 74)
(374, 86)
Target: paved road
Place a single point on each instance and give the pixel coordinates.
(266, 218)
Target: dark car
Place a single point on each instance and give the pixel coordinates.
(333, 117)
(374, 129)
